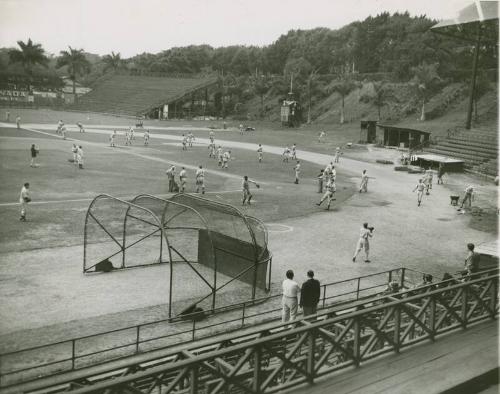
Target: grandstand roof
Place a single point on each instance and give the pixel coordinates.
(134, 95)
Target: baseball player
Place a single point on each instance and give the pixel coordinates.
(428, 181)
(328, 171)
(420, 191)
(200, 180)
(225, 159)
(80, 127)
(321, 136)
(74, 150)
(294, 152)
(128, 138)
(333, 173)
(190, 139)
(260, 153)
(18, 122)
(321, 178)
(132, 131)
(211, 135)
(183, 178)
(247, 196)
(24, 199)
(468, 197)
(34, 152)
(337, 155)
(297, 172)
(79, 157)
(112, 139)
(60, 124)
(184, 142)
(219, 156)
(330, 190)
(146, 137)
(286, 154)
(363, 187)
(363, 243)
(171, 178)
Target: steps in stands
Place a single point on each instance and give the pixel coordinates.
(477, 148)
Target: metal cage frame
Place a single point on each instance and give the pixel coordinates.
(161, 225)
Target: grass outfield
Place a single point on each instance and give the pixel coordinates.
(129, 171)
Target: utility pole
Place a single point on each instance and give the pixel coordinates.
(468, 122)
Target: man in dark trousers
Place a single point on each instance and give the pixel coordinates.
(309, 294)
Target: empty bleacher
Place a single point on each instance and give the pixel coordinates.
(135, 95)
(477, 148)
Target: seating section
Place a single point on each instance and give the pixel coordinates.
(136, 95)
(477, 148)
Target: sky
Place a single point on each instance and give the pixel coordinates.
(136, 26)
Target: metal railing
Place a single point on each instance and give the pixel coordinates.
(301, 351)
(31, 363)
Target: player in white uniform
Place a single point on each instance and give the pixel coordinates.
(190, 139)
(80, 127)
(363, 187)
(286, 154)
(294, 152)
(328, 172)
(200, 180)
(321, 136)
(79, 157)
(211, 135)
(260, 153)
(225, 159)
(146, 137)
(183, 178)
(24, 199)
(428, 181)
(112, 139)
(330, 190)
(18, 122)
(468, 196)
(74, 149)
(128, 138)
(219, 156)
(184, 142)
(247, 196)
(420, 191)
(132, 136)
(59, 126)
(333, 173)
(337, 155)
(363, 243)
(297, 172)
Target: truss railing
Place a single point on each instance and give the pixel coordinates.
(26, 364)
(299, 352)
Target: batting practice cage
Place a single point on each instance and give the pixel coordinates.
(217, 257)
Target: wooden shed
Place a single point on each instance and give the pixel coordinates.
(402, 137)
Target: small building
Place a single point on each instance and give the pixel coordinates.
(368, 133)
(402, 137)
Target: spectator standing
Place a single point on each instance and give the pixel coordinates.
(171, 178)
(290, 293)
(471, 260)
(18, 122)
(309, 294)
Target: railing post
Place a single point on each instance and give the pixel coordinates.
(390, 277)
(257, 361)
(310, 356)
(243, 314)
(493, 296)
(357, 290)
(73, 346)
(357, 341)
(137, 339)
(402, 284)
(432, 317)
(324, 295)
(397, 328)
(193, 379)
(464, 307)
(194, 327)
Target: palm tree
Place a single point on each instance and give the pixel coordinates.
(28, 56)
(77, 64)
(113, 61)
(344, 86)
(378, 97)
(425, 78)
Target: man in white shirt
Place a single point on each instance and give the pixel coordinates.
(225, 159)
(290, 303)
(24, 199)
(260, 153)
(200, 180)
(363, 243)
(182, 178)
(79, 157)
(297, 172)
(468, 196)
(363, 187)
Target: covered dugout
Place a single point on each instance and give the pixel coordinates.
(216, 256)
